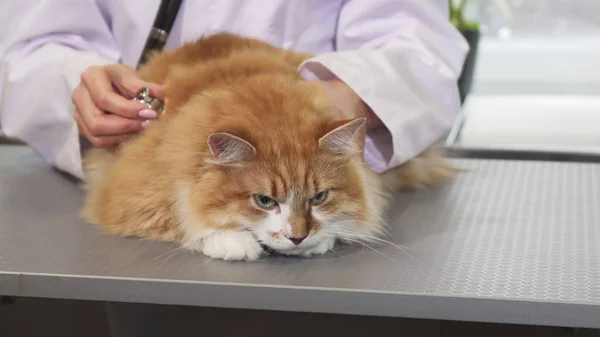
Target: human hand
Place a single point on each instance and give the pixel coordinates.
(110, 89)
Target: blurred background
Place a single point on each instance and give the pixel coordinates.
(538, 18)
(536, 78)
(532, 81)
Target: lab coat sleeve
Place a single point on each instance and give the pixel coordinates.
(41, 66)
(403, 58)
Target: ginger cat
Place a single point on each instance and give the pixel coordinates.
(247, 156)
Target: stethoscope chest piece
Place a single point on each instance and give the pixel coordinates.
(153, 103)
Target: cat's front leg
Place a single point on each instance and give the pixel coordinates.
(231, 245)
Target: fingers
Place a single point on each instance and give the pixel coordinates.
(106, 141)
(110, 89)
(100, 88)
(156, 90)
(129, 83)
(95, 122)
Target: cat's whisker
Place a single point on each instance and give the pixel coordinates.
(375, 240)
(170, 253)
(358, 237)
(382, 229)
(365, 245)
(351, 239)
(387, 232)
(346, 229)
(336, 252)
(361, 243)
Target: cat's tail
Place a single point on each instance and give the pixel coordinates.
(427, 170)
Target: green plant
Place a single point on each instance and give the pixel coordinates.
(457, 16)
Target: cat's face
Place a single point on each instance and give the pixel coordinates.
(298, 199)
(303, 207)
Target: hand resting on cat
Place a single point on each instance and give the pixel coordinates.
(247, 156)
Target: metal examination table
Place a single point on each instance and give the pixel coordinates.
(508, 242)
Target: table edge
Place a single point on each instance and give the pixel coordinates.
(302, 299)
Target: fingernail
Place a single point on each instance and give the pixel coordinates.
(146, 123)
(147, 113)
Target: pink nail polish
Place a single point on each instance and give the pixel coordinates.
(146, 123)
(147, 113)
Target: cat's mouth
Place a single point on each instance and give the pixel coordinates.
(278, 250)
(267, 248)
(271, 251)
(283, 252)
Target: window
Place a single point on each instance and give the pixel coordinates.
(537, 77)
(538, 46)
(519, 19)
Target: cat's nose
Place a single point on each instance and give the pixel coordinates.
(297, 241)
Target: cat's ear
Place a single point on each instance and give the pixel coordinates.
(228, 149)
(342, 139)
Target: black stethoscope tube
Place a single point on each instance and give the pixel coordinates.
(163, 22)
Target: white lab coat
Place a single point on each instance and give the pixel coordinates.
(402, 57)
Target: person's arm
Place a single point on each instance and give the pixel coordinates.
(403, 59)
(41, 66)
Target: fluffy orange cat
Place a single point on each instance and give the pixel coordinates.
(247, 155)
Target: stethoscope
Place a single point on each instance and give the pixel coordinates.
(157, 37)
(159, 33)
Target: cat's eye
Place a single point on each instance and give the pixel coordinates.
(319, 198)
(264, 202)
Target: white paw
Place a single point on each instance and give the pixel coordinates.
(232, 245)
(321, 248)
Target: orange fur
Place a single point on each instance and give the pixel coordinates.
(278, 136)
